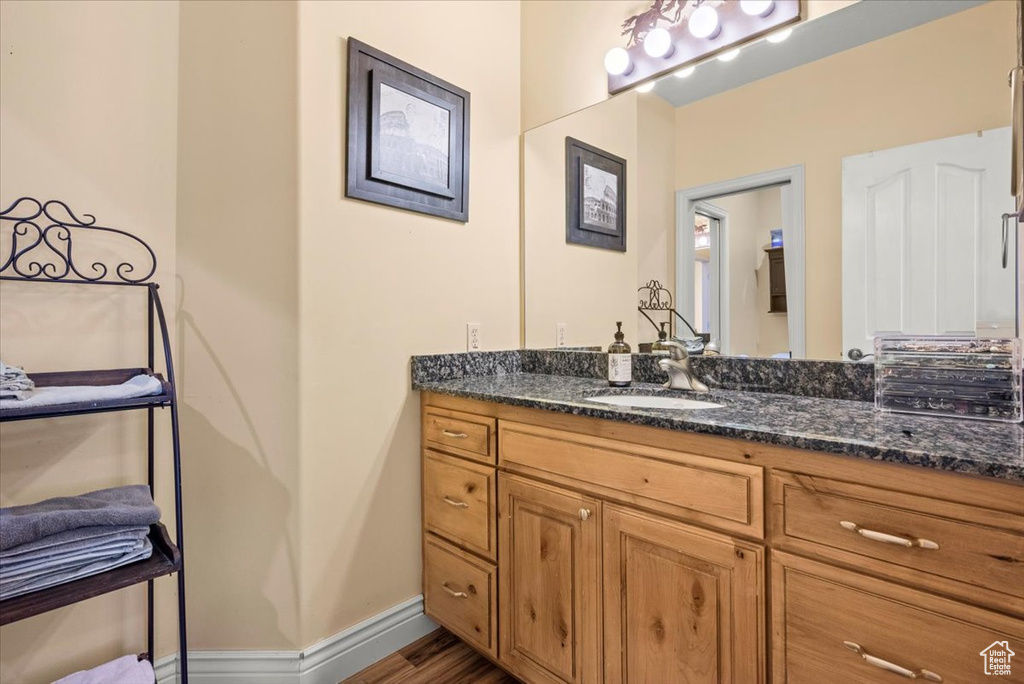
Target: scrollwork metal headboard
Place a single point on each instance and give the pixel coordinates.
(42, 246)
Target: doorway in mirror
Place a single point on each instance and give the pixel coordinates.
(733, 273)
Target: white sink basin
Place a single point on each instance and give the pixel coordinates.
(658, 402)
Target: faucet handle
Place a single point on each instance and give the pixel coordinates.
(676, 350)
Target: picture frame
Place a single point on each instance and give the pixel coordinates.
(408, 136)
(595, 197)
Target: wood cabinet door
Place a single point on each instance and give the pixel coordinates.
(550, 584)
(682, 605)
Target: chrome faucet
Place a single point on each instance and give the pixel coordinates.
(680, 375)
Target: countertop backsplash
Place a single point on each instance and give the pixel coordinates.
(795, 377)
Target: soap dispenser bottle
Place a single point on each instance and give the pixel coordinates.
(620, 362)
(660, 347)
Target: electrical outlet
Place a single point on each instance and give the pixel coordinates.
(472, 337)
(560, 335)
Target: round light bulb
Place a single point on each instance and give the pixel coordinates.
(757, 8)
(703, 23)
(729, 56)
(658, 43)
(780, 36)
(645, 87)
(617, 62)
(683, 73)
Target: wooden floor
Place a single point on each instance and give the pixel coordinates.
(438, 658)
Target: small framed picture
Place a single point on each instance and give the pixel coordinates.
(595, 197)
(408, 136)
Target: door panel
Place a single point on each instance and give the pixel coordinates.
(682, 605)
(550, 582)
(922, 240)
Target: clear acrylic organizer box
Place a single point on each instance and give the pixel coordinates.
(954, 377)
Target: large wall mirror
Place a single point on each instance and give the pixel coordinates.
(799, 199)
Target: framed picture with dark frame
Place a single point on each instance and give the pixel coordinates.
(408, 136)
(595, 197)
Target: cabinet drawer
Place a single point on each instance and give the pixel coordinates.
(707, 490)
(464, 434)
(460, 592)
(458, 502)
(833, 625)
(927, 538)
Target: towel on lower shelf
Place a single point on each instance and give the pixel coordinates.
(14, 384)
(118, 506)
(45, 579)
(139, 386)
(15, 564)
(60, 540)
(72, 540)
(125, 670)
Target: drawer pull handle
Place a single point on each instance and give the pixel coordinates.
(584, 514)
(927, 675)
(454, 435)
(888, 538)
(455, 502)
(462, 594)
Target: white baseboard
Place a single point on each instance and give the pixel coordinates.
(326, 662)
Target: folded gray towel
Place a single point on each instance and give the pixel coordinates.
(141, 551)
(82, 554)
(121, 506)
(72, 540)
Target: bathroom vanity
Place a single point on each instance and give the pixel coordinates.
(783, 538)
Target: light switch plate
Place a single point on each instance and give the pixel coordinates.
(472, 337)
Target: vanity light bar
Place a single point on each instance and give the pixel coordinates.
(712, 29)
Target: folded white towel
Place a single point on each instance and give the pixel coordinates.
(14, 384)
(125, 670)
(139, 386)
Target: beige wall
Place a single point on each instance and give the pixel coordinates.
(88, 114)
(655, 234)
(378, 285)
(751, 217)
(237, 245)
(587, 288)
(564, 43)
(941, 79)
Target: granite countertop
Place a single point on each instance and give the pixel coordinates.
(836, 426)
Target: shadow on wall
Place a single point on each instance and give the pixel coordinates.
(371, 521)
(241, 566)
(237, 512)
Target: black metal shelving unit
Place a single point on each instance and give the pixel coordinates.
(42, 242)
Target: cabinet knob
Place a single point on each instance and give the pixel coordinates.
(584, 514)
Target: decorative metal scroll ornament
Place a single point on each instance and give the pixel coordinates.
(42, 246)
(654, 297)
